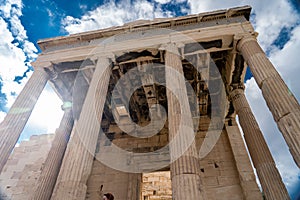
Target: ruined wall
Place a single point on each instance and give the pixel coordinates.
(157, 186)
(23, 168)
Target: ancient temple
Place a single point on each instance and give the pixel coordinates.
(157, 96)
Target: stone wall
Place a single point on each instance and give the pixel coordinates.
(157, 186)
(121, 184)
(220, 176)
(23, 168)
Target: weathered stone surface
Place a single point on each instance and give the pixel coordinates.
(279, 98)
(185, 170)
(224, 172)
(78, 159)
(246, 175)
(104, 179)
(267, 172)
(19, 113)
(46, 182)
(19, 175)
(156, 186)
(290, 124)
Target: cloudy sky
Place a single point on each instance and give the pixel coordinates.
(22, 23)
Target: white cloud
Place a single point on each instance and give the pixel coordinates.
(83, 6)
(17, 28)
(13, 58)
(47, 112)
(287, 62)
(15, 54)
(7, 7)
(30, 50)
(163, 1)
(2, 115)
(12, 63)
(112, 14)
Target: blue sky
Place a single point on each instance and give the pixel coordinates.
(22, 23)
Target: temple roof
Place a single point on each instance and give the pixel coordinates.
(142, 25)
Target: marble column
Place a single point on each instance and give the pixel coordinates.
(242, 161)
(184, 167)
(267, 172)
(15, 120)
(281, 102)
(47, 179)
(78, 159)
(134, 186)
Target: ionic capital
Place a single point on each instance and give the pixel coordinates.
(172, 48)
(41, 65)
(241, 39)
(236, 86)
(52, 72)
(97, 57)
(45, 67)
(235, 93)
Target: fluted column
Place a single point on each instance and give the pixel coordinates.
(281, 102)
(78, 159)
(134, 186)
(47, 179)
(185, 169)
(267, 172)
(242, 161)
(19, 113)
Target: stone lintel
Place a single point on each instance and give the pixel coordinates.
(221, 32)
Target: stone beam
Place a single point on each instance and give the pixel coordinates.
(143, 25)
(154, 41)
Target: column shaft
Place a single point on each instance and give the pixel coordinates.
(78, 159)
(185, 169)
(242, 161)
(19, 113)
(267, 172)
(281, 102)
(134, 186)
(47, 179)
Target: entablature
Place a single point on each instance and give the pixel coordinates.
(142, 25)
